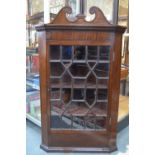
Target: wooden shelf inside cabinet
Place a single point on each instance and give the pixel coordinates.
(80, 79)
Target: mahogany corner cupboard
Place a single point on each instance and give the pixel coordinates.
(79, 81)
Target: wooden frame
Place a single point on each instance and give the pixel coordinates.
(62, 32)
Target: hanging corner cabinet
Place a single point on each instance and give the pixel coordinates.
(79, 82)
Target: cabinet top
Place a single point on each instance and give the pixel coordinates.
(79, 22)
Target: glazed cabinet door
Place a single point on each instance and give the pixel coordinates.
(78, 95)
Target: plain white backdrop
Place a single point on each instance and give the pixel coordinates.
(13, 74)
(12, 77)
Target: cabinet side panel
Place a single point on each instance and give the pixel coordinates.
(115, 87)
(43, 86)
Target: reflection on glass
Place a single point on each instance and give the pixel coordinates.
(55, 52)
(101, 70)
(66, 52)
(104, 52)
(92, 52)
(79, 53)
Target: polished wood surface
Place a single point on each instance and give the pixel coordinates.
(62, 31)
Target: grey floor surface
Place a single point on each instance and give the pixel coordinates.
(33, 140)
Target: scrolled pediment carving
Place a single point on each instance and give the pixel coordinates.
(62, 19)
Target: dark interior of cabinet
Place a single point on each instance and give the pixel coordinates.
(79, 86)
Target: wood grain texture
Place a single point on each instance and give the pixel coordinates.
(43, 85)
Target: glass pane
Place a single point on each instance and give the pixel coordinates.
(101, 70)
(54, 52)
(79, 70)
(92, 52)
(104, 53)
(79, 53)
(66, 52)
(79, 87)
(57, 69)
